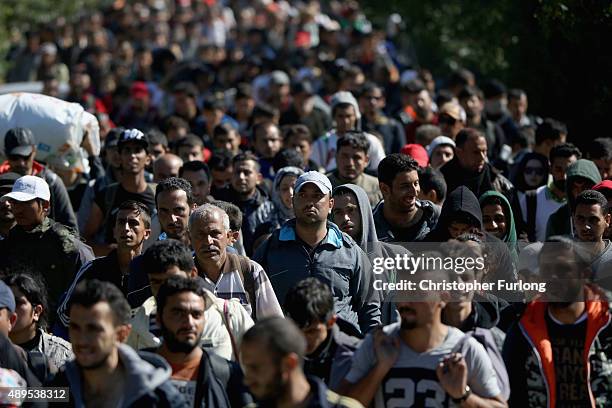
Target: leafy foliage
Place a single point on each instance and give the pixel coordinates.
(557, 50)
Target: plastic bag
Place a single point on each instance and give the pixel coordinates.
(58, 126)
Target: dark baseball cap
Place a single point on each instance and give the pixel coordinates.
(132, 135)
(112, 137)
(304, 87)
(19, 141)
(7, 180)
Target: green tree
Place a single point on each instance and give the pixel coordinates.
(21, 15)
(557, 50)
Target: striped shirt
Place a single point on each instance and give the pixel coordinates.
(229, 285)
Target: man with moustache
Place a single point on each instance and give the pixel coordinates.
(226, 274)
(132, 228)
(311, 246)
(558, 353)
(106, 372)
(174, 201)
(204, 379)
(421, 361)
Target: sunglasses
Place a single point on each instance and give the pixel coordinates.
(447, 120)
(538, 171)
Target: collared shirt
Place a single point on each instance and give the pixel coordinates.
(231, 286)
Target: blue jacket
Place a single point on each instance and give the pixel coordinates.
(337, 261)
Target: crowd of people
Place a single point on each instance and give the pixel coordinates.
(257, 157)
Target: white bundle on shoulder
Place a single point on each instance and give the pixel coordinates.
(58, 127)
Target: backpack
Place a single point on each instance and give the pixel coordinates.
(485, 338)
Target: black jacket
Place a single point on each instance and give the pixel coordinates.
(51, 250)
(220, 384)
(488, 179)
(332, 361)
(10, 358)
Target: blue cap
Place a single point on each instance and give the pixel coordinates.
(318, 179)
(7, 299)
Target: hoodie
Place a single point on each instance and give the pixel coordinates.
(461, 204)
(324, 148)
(147, 381)
(368, 241)
(510, 237)
(560, 222)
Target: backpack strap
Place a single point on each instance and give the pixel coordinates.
(228, 326)
(248, 280)
(531, 199)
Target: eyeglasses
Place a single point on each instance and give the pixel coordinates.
(538, 171)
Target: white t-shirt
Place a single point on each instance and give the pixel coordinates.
(545, 206)
(412, 382)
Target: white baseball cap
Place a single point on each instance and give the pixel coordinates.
(28, 188)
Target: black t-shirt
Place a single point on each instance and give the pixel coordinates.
(567, 341)
(116, 194)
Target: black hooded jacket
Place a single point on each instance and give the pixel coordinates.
(462, 205)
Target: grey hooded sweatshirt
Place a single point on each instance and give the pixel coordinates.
(324, 148)
(147, 381)
(368, 241)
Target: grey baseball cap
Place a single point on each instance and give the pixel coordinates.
(318, 179)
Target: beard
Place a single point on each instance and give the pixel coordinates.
(273, 390)
(97, 364)
(407, 323)
(560, 184)
(177, 346)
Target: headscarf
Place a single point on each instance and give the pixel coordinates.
(284, 213)
(510, 237)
